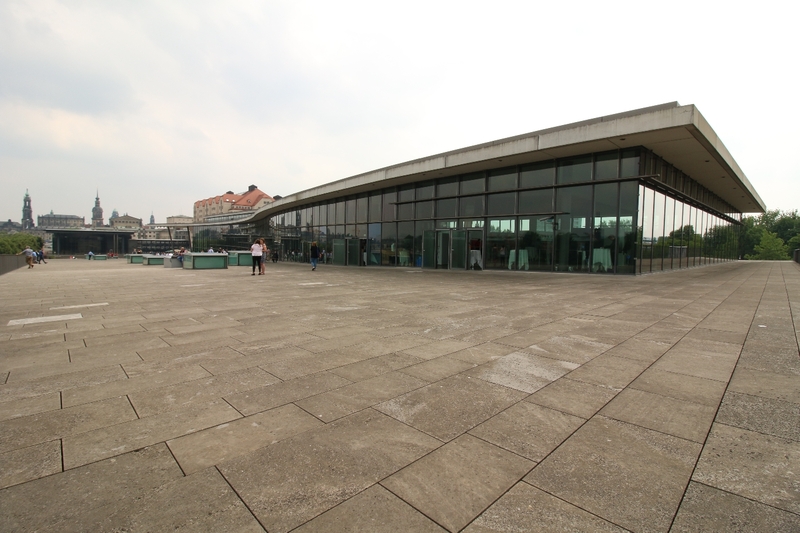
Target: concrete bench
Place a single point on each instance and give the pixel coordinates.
(205, 261)
(153, 259)
(173, 262)
(96, 257)
(134, 258)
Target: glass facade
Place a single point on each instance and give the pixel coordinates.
(617, 212)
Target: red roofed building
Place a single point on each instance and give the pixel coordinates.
(249, 200)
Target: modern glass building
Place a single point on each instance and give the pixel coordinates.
(643, 191)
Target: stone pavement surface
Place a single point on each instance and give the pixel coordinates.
(154, 399)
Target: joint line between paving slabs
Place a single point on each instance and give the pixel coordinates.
(420, 511)
(719, 405)
(241, 499)
(138, 416)
(166, 443)
(234, 408)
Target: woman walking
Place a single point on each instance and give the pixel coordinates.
(257, 252)
(264, 255)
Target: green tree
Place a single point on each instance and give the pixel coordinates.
(14, 244)
(771, 248)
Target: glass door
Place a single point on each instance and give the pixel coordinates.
(458, 249)
(428, 249)
(443, 249)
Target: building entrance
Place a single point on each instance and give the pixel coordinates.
(453, 249)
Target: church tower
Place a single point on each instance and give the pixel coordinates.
(97, 212)
(152, 219)
(27, 212)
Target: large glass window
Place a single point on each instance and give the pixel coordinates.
(604, 237)
(472, 183)
(574, 169)
(424, 209)
(405, 193)
(647, 230)
(446, 208)
(373, 245)
(405, 244)
(362, 208)
(537, 175)
(628, 228)
(572, 231)
(502, 179)
(500, 242)
(388, 245)
(375, 201)
(471, 206)
(389, 200)
(537, 201)
(629, 166)
(425, 191)
(658, 231)
(669, 232)
(535, 251)
(421, 228)
(501, 204)
(447, 187)
(405, 211)
(350, 211)
(606, 166)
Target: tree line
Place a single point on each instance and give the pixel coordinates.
(14, 244)
(772, 236)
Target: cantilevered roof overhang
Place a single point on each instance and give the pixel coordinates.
(677, 133)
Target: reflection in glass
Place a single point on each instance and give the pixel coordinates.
(447, 187)
(502, 179)
(574, 169)
(472, 183)
(350, 211)
(647, 230)
(572, 228)
(500, 242)
(405, 244)
(604, 237)
(446, 208)
(537, 175)
(470, 206)
(629, 166)
(538, 201)
(658, 231)
(375, 201)
(605, 166)
(501, 204)
(628, 227)
(389, 200)
(535, 250)
(388, 244)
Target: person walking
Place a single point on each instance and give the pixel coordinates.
(264, 252)
(314, 255)
(29, 253)
(257, 252)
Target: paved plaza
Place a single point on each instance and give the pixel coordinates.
(148, 399)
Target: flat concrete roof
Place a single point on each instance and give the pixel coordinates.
(144, 398)
(679, 134)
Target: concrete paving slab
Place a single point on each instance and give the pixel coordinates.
(438, 368)
(752, 465)
(450, 407)
(680, 386)
(765, 415)
(680, 418)
(574, 397)
(111, 440)
(524, 507)
(529, 430)
(30, 406)
(257, 400)
(522, 371)
(25, 431)
(98, 489)
(711, 510)
(295, 480)
(230, 440)
(458, 481)
(784, 387)
(29, 463)
(631, 476)
(201, 502)
(375, 510)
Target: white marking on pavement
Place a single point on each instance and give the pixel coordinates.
(77, 306)
(37, 320)
(313, 283)
(195, 285)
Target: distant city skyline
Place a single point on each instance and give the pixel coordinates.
(157, 105)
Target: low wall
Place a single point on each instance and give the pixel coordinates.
(796, 256)
(11, 262)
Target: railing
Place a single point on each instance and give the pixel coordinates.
(9, 263)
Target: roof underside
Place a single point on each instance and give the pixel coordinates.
(679, 134)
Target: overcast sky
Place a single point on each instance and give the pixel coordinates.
(158, 104)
